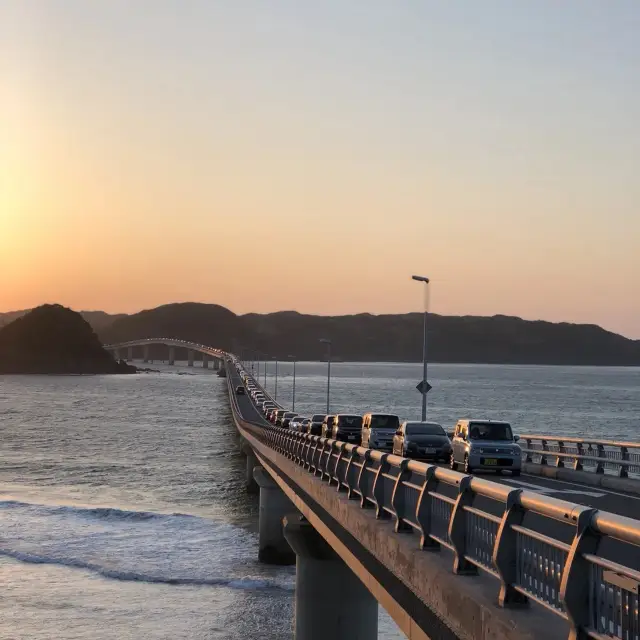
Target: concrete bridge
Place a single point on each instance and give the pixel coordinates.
(129, 348)
(449, 556)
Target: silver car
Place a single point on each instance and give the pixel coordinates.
(485, 444)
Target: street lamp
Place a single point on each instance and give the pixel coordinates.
(265, 371)
(275, 392)
(425, 388)
(293, 401)
(328, 343)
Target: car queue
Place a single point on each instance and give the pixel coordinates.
(473, 445)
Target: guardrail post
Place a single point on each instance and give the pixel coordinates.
(576, 583)
(364, 503)
(312, 453)
(543, 456)
(577, 463)
(398, 498)
(505, 550)
(458, 529)
(423, 510)
(324, 471)
(601, 454)
(350, 493)
(335, 476)
(378, 487)
(318, 468)
(529, 457)
(561, 449)
(624, 455)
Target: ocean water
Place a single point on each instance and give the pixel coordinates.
(123, 512)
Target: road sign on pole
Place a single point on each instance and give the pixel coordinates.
(423, 386)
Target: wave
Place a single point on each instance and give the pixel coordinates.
(132, 576)
(107, 513)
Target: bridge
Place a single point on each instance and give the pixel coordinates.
(449, 556)
(130, 348)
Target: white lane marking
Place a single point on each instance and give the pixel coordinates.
(540, 489)
(576, 484)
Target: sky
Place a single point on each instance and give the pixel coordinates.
(278, 154)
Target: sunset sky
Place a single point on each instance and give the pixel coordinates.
(286, 154)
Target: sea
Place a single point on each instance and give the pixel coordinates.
(123, 512)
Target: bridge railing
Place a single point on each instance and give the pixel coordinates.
(582, 454)
(567, 557)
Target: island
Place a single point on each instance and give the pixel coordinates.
(52, 339)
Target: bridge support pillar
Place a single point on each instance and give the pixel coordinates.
(145, 353)
(274, 505)
(116, 354)
(205, 361)
(252, 463)
(190, 357)
(331, 601)
(129, 353)
(216, 364)
(172, 355)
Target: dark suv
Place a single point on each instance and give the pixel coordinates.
(314, 428)
(347, 428)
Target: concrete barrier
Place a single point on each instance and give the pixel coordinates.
(590, 479)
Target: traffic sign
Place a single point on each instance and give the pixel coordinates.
(423, 386)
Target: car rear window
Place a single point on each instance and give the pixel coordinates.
(350, 421)
(490, 431)
(318, 417)
(385, 422)
(425, 430)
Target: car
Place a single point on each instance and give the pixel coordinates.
(267, 405)
(270, 415)
(327, 426)
(240, 390)
(378, 430)
(277, 417)
(314, 427)
(347, 427)
(485, 444)
(299, 424)
(286, 419)
(422, 440)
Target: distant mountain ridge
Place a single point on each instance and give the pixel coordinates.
(366, 337)
(99, 320)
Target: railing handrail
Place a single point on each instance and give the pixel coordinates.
(580, 456)
(585, 441)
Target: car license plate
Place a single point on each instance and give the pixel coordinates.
(351, 437)
(490, 462)
(429, 450)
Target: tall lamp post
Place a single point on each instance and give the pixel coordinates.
(293, 401)
(275, 392)
(424, 385)
(328, 343)
(265, 371)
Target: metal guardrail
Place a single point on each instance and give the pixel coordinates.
(564, 556)
(583, 454)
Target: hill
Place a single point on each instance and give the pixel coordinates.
(54, 339)
(366, 337)
(99, 320)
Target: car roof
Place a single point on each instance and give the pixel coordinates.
(415, 422)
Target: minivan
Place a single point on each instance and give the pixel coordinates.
(378, 430)
(346, 428)
(485, 444)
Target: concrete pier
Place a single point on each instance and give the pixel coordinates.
(172, 355)
(205, 361)
(145, 353)
(250, 481)
(331, 601)
(129, 353)
(116, 354)
(190, 357)
(216, 364)
(274, 506)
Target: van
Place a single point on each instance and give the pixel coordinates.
(485, 444)
(378, 430)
